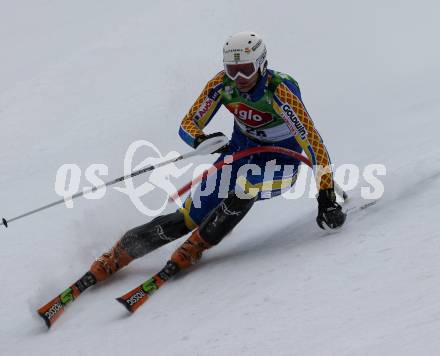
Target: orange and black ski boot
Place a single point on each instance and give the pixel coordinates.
(190, 251)
(110, 262)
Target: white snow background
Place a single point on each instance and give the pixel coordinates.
(81, 80)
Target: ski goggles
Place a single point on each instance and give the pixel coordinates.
(245, 70)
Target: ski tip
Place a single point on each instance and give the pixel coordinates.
(5, 222)
(46, 320)
(125, 304)
(51, 311)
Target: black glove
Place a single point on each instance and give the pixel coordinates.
(199, 139)
(330, 214)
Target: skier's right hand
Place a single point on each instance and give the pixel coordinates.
(207, 138)
(330, 214)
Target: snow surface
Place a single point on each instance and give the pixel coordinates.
(82, 80)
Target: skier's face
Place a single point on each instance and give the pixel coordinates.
(246, 85)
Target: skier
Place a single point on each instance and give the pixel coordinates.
(268, 111)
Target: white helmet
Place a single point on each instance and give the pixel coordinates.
(244, 53)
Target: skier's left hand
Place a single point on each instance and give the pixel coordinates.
(330, 214)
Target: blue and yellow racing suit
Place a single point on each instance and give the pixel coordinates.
(271, 114)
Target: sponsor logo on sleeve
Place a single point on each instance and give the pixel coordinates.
(204, 108)
(290, 117)
(213, 94)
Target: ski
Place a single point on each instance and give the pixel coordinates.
(51, 311)
(139, 295)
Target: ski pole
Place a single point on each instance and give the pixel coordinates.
(202, 150)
